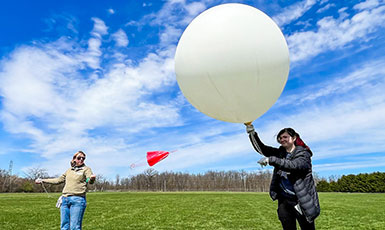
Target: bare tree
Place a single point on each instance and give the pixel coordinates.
(117, 181)
(34, 173)
(101, 183)
(150, 175)
(4, 178)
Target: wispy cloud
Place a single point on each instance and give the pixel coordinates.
(171, 19)
(363, 162)
(293, 12)
(111, 11)
(369, 4)
(51, 96)
(326, 7)
(120, 38)
(335, 33)
(92, 57)
(361, 79)
(100, 28)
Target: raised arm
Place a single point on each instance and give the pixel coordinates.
(57, 180)
(258, 144)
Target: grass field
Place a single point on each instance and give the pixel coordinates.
(188, 210)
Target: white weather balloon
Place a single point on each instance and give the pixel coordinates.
(232, 62)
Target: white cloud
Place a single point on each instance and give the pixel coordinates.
(51, 97)
(326, 7)
(36, 75)
(170, 35)
(63, 98)
(195, 8)
(360, 79)
(336, 33)
(369, 4)
(170, 23)
(111, 11)
(92, 57)
(357, 164)
(293, 12)
(120, 38)
(100, 28)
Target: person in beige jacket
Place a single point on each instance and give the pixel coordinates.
(73, 199)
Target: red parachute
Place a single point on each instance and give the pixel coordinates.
(153, 157)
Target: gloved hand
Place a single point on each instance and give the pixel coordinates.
(249, 127)
(38, 181)
(263, 161)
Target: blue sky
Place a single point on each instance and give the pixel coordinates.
(98, 76)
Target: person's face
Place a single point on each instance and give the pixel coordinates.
(80, 158)
(286, 140)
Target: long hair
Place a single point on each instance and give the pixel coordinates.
(72, 162)
(298, 141)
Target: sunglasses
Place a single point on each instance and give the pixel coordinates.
(81, 158)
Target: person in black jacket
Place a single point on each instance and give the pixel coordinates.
(292, 183)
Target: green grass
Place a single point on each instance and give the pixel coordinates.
(188, 210)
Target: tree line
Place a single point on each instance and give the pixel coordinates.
(363, 182)
(151, 180)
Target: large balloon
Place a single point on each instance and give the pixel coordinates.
(232, 62)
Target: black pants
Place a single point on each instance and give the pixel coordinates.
(288, 216)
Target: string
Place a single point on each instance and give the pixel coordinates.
(42, 184)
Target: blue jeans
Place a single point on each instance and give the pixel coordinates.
(71, 212)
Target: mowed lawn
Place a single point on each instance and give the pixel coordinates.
(188, 210)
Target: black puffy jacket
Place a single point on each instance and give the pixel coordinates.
(300, 168)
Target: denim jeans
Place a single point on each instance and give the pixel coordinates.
(71, 212)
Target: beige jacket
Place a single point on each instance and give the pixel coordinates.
(75, 179)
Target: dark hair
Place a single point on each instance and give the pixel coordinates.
(298, 141)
